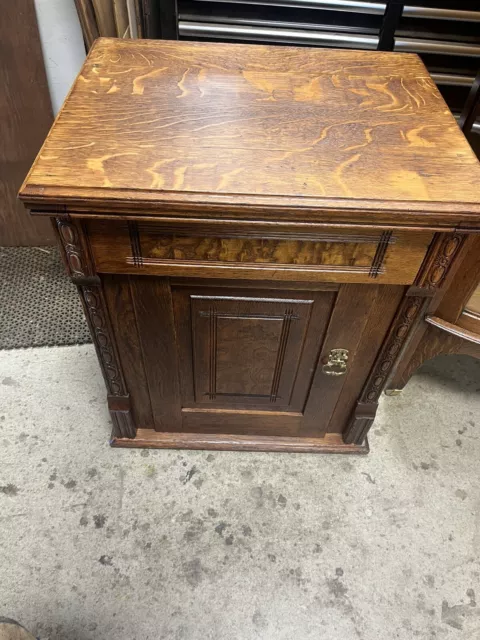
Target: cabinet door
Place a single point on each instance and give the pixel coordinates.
(248, 353)
(249, 361)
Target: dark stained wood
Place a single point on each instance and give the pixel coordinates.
(203, 122)
(382, 312)
(257, 234)
(253, 349)
(332, 443)
(364, 413)
(355, 303)
(26, 115)
(152, 301)
(118, 298)
(432, 275)
(98, 320)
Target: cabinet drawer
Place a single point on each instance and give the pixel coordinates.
(276, 252)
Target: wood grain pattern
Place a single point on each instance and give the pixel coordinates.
(118, 298)
(253, 250)
(26, 115)
(331, 255)
(453, 329)
(152, 301)
(382, 312)
(312, 308)
(331, 443)
(245, 361)
(469, 320)
(93, 302)
(253, 352)
(369, 127)
(356, 303)
(234, 215)
(248, 350)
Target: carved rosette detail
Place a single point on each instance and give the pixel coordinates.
(71, 245)
(408, 314)
(449, 247)
(101, 334)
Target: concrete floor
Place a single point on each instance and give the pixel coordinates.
(102, 544)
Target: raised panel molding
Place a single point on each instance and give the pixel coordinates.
(251, 337)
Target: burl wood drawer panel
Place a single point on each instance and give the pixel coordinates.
(388, 257)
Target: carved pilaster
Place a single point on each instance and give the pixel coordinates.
(81, 271)
(440, 257)
(364, 413)
(72, 248)
(444, 248)
(102, 334)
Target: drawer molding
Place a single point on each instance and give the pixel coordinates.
(137, 258)
(387, 257)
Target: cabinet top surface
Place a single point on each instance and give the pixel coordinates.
(179, 123)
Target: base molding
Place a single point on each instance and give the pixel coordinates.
(148, 438)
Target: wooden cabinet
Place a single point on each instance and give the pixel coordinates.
(224, 359)
(255, 232)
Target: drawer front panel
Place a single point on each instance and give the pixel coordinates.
(390, 257)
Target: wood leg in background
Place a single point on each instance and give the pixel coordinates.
(435, 342)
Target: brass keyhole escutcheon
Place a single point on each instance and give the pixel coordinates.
(336, 364)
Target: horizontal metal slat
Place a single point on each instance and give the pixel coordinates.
(271, 34)
(452, 79)
(375, 8)
(441, 14)
(442, 47)
(275, 24)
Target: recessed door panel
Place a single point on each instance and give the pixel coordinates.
(248, 350)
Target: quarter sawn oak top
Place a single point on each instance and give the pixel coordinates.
(173, 123)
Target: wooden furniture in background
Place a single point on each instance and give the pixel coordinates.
(455, 327)
(119, 18)
(26, 115)
(255, 233)
(452, 324)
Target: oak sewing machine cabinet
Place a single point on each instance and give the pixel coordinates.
(255, 232)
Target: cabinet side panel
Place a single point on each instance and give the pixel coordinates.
(122, 316)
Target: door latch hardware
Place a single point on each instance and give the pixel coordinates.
(336, 364)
